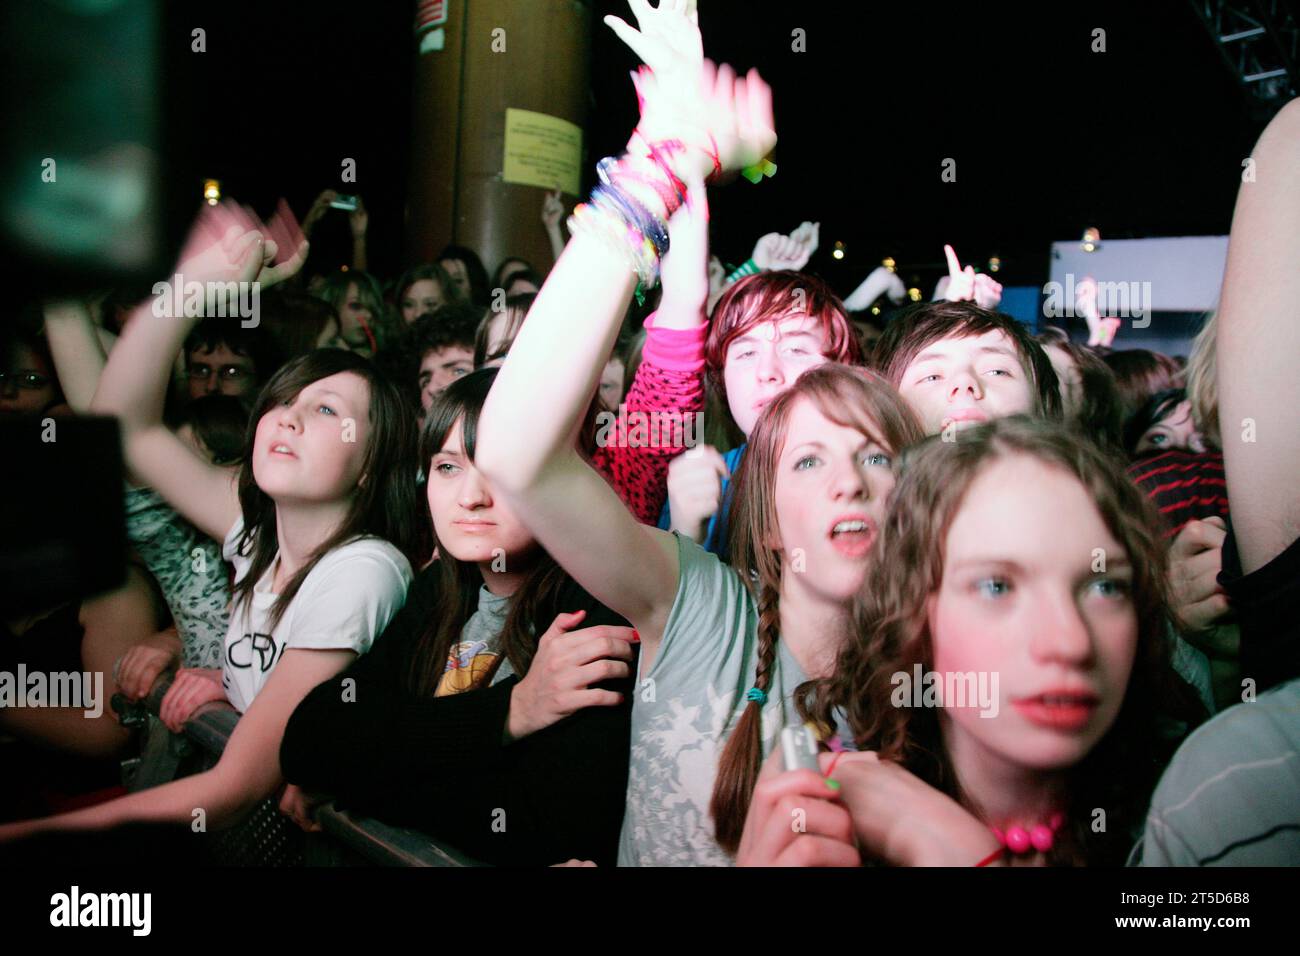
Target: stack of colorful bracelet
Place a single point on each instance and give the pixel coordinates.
(630, 208)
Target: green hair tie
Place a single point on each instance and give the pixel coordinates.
(759, 696)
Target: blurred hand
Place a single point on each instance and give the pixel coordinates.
(228, 243)
(695, 489)
(318, 209)
(359, 219)
(552, 211)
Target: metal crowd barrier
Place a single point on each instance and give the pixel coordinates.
(267, 837)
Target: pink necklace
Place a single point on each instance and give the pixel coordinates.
(1039, 837)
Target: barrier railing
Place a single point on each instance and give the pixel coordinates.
(348, 839)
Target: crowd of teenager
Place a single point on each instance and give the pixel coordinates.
(419, 535)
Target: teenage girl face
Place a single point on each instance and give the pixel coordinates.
(830, 491)
(421, 296)
(966, 381)
(766, 360)
(470, 522)
(1067, 373)
(29, 385)
(311, 448)
(458, 274)
(1020, 599)
(1175, 430)
(355, 317)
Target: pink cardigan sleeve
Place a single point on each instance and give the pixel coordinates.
(656, 421)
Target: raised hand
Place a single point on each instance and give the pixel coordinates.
(808, 234)
(668, 42)
(775, 251)
(961, 282)
(552, 211)
(228, 243)
(359, 219)
(720, 119)
(318, 209)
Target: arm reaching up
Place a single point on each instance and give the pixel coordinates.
(1258, 341)
(525, 435)
(225, 246)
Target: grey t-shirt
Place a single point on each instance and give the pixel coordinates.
(684, 709)
(1231, 795)
(479, 646)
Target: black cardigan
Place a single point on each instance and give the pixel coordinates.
(439, 764)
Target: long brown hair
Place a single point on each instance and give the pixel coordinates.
(384, 499)
(891, 630)
(852, 398)
(531, 606)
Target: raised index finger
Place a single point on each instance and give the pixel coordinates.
(954, 267)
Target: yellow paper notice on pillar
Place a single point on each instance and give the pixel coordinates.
(542, 150)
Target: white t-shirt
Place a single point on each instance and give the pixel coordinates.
(345, 603)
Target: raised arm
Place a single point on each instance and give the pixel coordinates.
(78, 350)
(525, 434)
(1258, 341)
(224, 247)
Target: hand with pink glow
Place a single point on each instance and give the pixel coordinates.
(688, 99)
(1100, 331)
(228, 243)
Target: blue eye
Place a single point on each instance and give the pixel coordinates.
(806, 462)
(1110, 587)
(993, 587)
(878, 459)
(999, 371)
(444, 468)
(326, 409)
(932, 377)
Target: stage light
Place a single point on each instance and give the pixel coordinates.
(888, 263)
(875, 310)
(914, 294)
(838, 251)
(212, 191)
(994, 263)
(1091, 239)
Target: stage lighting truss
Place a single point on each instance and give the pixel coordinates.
(1260, 42)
